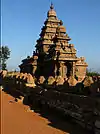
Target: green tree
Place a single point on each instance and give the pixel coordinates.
(92, 73)
(4, 56)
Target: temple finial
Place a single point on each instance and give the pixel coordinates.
(51, 7)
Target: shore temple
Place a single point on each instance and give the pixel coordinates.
(54, 56)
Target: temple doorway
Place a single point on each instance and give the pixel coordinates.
(69, 68)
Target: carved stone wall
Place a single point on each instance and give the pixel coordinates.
(80, 69)
(80, 72)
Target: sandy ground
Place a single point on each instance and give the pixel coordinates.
(16, 119)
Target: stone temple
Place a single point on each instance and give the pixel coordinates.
(54, 56)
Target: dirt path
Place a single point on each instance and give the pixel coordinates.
(17, 120)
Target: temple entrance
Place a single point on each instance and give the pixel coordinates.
(63, 69)
(69, 68)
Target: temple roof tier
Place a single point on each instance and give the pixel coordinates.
(66, 59)
(61, 59)
(63, 38)
(61, 29)
(48, 42)
(47, 32)
(51, 20)
(50, 26)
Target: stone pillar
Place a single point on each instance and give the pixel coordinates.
(60, 69)
(73, 69)
(70, 68)
(63, 69)
(55, 71)
(34, 69)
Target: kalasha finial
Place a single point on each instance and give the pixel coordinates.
(51, 7)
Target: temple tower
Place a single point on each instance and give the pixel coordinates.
(54, 56)
(48, 32)
(62, 54)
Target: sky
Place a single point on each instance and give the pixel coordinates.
(22, 21)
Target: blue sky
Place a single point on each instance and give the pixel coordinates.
(22, 21)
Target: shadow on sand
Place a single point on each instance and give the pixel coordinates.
(60, 121)
(56, 119)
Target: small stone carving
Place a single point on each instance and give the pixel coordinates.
(24, 76)
(21, 75)
(30, 81)
(59, 80)
(51, 80)
(41, 80)
(72, 81)
(88, 81)
(17, 75)
(3, 73)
